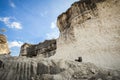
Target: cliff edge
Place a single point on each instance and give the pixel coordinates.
(90, 29)
(87, 49)
(43, 49)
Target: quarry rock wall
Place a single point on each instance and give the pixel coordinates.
(22, 68)
(91, 29)
(44, 49)
(89, 34)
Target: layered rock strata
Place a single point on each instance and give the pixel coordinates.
(89, 32)
(3, 45)
(91, 29)
(44, 49)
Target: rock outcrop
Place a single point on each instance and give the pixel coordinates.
(22, 68)
(45, 49)
(3, 45)
(88, 47)
(91, 29)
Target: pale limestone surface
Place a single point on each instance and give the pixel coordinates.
(22, 68)
(3, 45)
(86, 32)
(94, 37)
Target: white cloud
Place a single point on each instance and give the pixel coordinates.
(53, 25)
(15, 44)
(54, 34)
(5, 20)
(11, 24)
(16, 25)
(12, 4)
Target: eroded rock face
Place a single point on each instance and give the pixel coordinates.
(23, 50)
(45, 49)
(3, 45)
(79, 12)
(93, 39)
(91, 29)
(22, 68)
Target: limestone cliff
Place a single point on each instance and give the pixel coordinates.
(91, 29)
(3, 45)
(44, 49)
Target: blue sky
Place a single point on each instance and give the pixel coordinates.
(30, 21)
